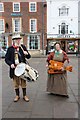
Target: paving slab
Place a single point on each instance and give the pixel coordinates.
(42, 108)
(17, 115)
(65, 110)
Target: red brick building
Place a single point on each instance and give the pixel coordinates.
(27, 18)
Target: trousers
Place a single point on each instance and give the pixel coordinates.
(17, 81)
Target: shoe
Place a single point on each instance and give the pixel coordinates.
(26, 98)
(67, 96)
(16, 98)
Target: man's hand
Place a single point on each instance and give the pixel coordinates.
(25, 53)
(12, 66)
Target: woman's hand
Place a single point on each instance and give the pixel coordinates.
(62, 69)
(46, 65)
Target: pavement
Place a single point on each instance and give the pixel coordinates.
(42, 104)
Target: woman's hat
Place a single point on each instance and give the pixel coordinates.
(16, 36)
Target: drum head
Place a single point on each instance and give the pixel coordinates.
(20, 69)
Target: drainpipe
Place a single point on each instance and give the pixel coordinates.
(43, 27)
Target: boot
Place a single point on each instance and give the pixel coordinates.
(17, 95)
(24, 95)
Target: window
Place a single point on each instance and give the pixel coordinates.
(59, 29)
(33, 25)
(32, 7)
(1, 7)
(2, 25)
(5, 42)
(17, 25)
(34, 42)
(16, 7)
(63, 29)
(72, 46)
(63, 11)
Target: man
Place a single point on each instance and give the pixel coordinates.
(15, 55)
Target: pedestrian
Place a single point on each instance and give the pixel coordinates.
(14, 56)
(57, 82)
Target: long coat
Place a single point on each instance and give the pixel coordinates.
(10, 58)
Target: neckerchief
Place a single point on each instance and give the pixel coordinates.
(57, 52)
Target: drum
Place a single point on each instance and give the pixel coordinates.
(33, 74)
(26, 72)
(20, 69)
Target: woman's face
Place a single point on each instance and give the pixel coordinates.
(57, 46)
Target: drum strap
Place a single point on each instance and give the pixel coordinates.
(25, 57)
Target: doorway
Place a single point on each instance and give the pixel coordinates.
(63, 46)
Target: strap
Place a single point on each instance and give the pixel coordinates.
(25, 57)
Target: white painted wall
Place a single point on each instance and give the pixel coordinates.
(53, 18)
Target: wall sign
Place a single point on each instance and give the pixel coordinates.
(16, 14)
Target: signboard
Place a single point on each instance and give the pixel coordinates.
(16, 14)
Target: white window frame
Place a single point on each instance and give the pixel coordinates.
(30, 6)
(2, 7)
(38, 38)
(13, 6)
(3, 26)
(35, 26)
(64, 11)
(13, 24)
(66, 28)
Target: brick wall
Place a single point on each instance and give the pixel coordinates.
(26, 16)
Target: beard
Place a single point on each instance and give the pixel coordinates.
(17, 44)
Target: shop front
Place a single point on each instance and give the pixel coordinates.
(69, 45)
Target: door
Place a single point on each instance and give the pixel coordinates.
(63, 45)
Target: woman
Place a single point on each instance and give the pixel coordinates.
(57, 83)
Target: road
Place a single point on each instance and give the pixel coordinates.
(42, 104)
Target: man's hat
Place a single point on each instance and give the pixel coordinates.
(16, 36)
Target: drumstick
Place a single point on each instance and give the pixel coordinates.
(22, 48)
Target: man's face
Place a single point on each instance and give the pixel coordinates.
(17, 42)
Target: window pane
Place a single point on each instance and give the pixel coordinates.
(1, 7)
(16, 7)
(33, 25)
(67, 29)
(32, 7)
(72, 46)
(33, 42)
(1, 25)
(63, 11)
(17, 25)
(63, 29)
(59, 29)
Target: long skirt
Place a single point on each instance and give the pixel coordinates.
(57, 83)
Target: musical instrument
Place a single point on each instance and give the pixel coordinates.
(26, 72)
(56, 67)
